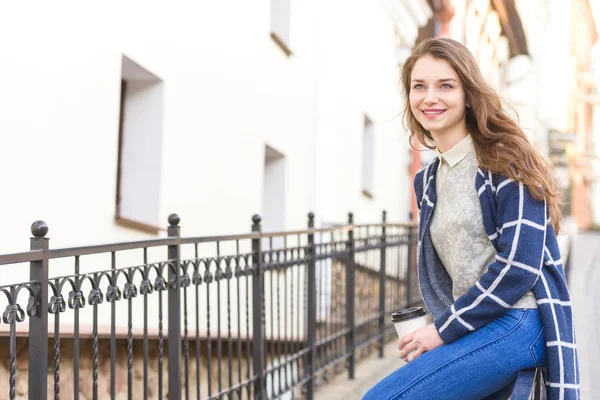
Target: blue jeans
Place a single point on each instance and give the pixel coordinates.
(482, 364)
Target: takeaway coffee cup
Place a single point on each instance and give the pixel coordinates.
(409, 320)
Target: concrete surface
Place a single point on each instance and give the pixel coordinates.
(368, 372)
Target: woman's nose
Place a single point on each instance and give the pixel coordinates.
(431, 97)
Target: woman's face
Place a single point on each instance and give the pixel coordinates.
(437, 97)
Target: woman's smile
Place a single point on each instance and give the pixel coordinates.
(432, 112)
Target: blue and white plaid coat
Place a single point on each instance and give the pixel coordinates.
(528, 258)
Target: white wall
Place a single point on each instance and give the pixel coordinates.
(224, 98)
(357, 76)
(227, 89)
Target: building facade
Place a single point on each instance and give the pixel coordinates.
(580, 120)
(116, 116)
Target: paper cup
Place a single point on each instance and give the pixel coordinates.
(409, 320)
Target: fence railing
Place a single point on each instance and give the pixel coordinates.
(251, 316)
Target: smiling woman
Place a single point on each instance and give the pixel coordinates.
(488, 258)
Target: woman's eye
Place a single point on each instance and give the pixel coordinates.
(446, 86)
(418, 86)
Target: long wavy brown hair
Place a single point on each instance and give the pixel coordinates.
(500, 144)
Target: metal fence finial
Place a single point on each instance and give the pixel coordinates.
(39, 229)
(174, 219)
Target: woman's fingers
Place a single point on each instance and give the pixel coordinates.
(407, 349)
(404, 340)
(416, 353)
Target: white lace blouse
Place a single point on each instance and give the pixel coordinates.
(457, 231)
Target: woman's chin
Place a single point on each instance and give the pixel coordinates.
(428, 125)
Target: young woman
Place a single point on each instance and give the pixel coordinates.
(489, 265)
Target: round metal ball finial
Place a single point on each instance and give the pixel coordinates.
(174, 219)
(256, 219)
(39, 229)
(311, 220)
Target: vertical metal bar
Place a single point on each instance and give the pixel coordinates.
(285, 316)
(130, 341)
(160, 339)
(409, 262)
(320, 351)
(279, 342)
(208, 280)
(76, 334)
(38, 323)
(238, 276)
(96, 300)
(13, 348)
(301, 335)
(113, 329)
(325, 306)
(174, 300)
(229, 339)
(186, 344)
(330, 311)
(399, 256)
(319, 356)
(145, 293)
(258, 345)
(382, 275)
(197, 282)
(362, 297)
(294, 335)
(311, 316)
(248, 340)
(57, 344)
(335, 293)
(218, 278)
(350, 325)
(271, 269)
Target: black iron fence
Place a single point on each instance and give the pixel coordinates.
(252, 316)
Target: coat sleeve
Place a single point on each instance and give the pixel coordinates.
(520, 236)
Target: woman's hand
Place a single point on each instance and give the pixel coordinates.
(421, 340)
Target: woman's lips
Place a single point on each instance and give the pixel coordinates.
(432, 113)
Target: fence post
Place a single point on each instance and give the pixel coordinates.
(382, 277)
(174, 300)
(409, 259)
(38, 323)
(258, 310)
(311, 318)
(350, 269)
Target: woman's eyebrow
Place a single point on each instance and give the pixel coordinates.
(439, 80)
